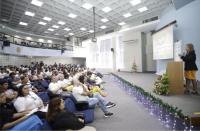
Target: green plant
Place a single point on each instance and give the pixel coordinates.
(134, 67)
(161, 86)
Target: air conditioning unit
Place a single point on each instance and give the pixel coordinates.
(150, 19)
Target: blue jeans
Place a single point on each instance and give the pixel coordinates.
(102, 102)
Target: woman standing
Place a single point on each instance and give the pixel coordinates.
(190, 68)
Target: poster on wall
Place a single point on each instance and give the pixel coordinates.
(178, 49)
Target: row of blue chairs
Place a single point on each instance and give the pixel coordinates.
(36, 124)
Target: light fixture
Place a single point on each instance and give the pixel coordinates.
(42, 23)
(71, 0)
(49, 41)
(106, 9)
(91, 31)
(57, 34)
(71, 34)
(87, 6)
(47, 19)
(127, 15)
(41, 40)
(61, 22)
(55, 26)
(23, 23)
(50, 29)
(28, 38)
(46, 32)
(135, 2)
(83, 29)
(104, 20)
(17, 36)
(72, 15)
(121, 23)
(67, 29)
(37, 3)
(103, 27)
(143, 9)
(29, 13)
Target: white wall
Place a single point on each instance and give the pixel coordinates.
(150, 63)
(132, 50)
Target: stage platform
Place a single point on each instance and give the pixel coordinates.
(187, 103)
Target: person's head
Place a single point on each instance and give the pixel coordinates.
(54, 79)
(24, 79)
(23, 90)
(56, 105)
(189, 47)
(61, 77)
(2, 97)
(4, 84)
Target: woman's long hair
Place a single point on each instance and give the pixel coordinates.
(190, 47)
(54, 108)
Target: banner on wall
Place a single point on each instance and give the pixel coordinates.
(178, 49)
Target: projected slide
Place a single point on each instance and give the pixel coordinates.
(163, 44)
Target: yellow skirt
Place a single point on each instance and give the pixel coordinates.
(191, 75)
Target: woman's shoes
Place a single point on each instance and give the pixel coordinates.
(186, 92)
(194, 93)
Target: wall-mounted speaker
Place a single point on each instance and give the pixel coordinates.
(112, 49)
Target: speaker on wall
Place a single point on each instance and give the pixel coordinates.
(112, 49)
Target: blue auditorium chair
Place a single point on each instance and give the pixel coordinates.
(88, 113)
(44, 96)
(33, 123)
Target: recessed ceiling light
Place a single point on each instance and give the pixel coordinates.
(55, 26)
(87, 6)
(67, 29)
(37, 3)
(41, 40)
(17, 36)
(46, 32)
(61, 22)
(83, 29)
(122, 23)
(47, 19)
(29, 13)
(28, 38)
(135, 2)
(5, 20)
(57, 34)
(72, 15)
(103, 27)
(71, 34)
(104, 20)
(127, 15)
(71, 0)
(143, 9)
(106, 9)
(91, 31)
(23, 23)
(50, 29)
(42, 23)
(49, 41)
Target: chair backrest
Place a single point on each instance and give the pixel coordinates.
(69, 105)
(46, 126)
(31, 123)
(44, 96)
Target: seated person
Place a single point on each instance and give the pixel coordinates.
(60, 119)
(28, 101)
(10, 93)
(8, 116)
(81, 91)
(44, 83)
(25, 81)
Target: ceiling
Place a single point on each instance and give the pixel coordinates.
(13, 11)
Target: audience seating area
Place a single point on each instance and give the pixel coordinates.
(11, 78)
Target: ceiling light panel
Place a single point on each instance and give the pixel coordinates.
(55, 26)
(71, 15)
(127, 15)
(143, 9)
(135, 2)
(87, 6)
(83, 29)
(121, 23)
(106, 9)
(23, 23)
(42, 23)
(67, 29)
(104, 20)
(29, 13)
(47, 18)
(61, 23)
(50, 29)
(37, 3)
(103, 27)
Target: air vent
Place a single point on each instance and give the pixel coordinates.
(110, 31)
(151, 19)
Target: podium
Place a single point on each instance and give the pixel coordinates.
(176, 77)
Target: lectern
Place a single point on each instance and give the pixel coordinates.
(176, 77)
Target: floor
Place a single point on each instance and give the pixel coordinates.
(188, 103)
(128, 114)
